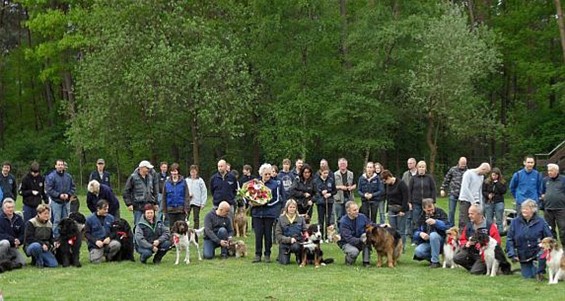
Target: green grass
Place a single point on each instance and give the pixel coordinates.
(239, 279)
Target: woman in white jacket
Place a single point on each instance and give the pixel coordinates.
(198, 195)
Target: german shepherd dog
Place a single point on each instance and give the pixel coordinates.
(240, 222)
(121, 231)
(387, 242)
(70, 240)
(311, 250)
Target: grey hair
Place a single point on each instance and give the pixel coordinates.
(264, 167)
(478, 206)
(93, 186)
(529, 203)
(8, 201)
(553, 166)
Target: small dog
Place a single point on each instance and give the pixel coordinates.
(121, 231)
(240, 222)
(450, 247)
(332, 234)
(387, 242)
(70, 240)
(183, 236)
(311, 248)
(553, 253)
(237, 248)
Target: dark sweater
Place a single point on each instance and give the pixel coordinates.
(397, 194)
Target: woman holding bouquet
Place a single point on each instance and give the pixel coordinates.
(303, 190)
(263, 216)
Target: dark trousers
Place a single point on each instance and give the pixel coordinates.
(370, 208)
(464, 214)
(195, 217)
(285, 250)
(471, 260)
(325, 217)
(555, 218)
(171, 218)
(263, 228)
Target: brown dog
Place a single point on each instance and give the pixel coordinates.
(240, 222)
(386, 242)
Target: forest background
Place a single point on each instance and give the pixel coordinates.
(254, 81)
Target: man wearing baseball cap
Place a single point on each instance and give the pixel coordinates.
(100, 174)
(139, 190)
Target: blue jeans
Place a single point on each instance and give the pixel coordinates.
(42, 258)
(210, 246)
(408, 225)
(29, 212)
(137, 214)
(495, 210)
(59, 211)
(398, 223)
(452, 208)
(339, 211)
(416, 212)
(430, 249)
(381, 209)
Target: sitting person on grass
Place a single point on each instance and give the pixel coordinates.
(38, 238)
(218, 231)
(97, 232)
(151, 236)
(288, 233)
(430, 233)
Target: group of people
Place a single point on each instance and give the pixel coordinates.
(159, 198)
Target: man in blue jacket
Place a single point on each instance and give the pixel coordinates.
(11, 234)
(223, 185)
(353, 237)
(59, 186)
(526, 183)
(430, 234)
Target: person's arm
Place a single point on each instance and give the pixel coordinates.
(128, 192)
(14, 189)
(361, 187)
(514, 184)
(165, 233)
(510, 249)
(209, 229)
(186, 197)
(433, 187)
(204, 191)
(447, 180)
(140, 238)
(72, 188)
(88, 233)
(91, 202)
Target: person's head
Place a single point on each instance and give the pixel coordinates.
(529, 163)
(421, 166)
(194, 171)
(369, 168)
(428, 206)
(93, 187)
(342, 164)
(462, 163)
(174, 170)
(43, 212)
(102, 208)
(496, 175)
(34, 169)
(528, 208)
(352, 209)
(411, 163)
(298, 164)
(552, 170)
(223, 209)
(324, 172)
(163, 167)
(286, 165)
(247, 169)
(6, 167)
(290, 207)
(475, 213)
(483, 169)
(274, 171)
(387, 177)
(378, 168)
(323, 163)
(144, 167)
(8, 207)
(265, 172)
(149, 212)
(100, 164)
(222, 167)
(228, 167)
(306, 172)
(60, 165)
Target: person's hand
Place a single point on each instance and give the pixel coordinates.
(57, 244)
(155, 249)
(130, 208)
(468, 244)
(431, 221)
(17, 242)
(292, 240)
(327, 195)
(515, 259)
(424, 236)
(99, 244)
(156, 208)
(306, 195)
(34, 192)
(442, 193)
(156, 242)
(409, 206)
(224, 243)
(324, 192)
(401, 213)
(106, 240)
(363, 237)
(309, 203)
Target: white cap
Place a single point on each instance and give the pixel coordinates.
(145, 163)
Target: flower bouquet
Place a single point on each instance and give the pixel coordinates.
(255, 192)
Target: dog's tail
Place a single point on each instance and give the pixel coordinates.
(328, 260)
(199, 232)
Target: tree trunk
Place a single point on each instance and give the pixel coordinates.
(561, 24)
(195, 139)
(471, 6)
(344, 50)
(432, 143)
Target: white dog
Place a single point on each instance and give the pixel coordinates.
(183, 236)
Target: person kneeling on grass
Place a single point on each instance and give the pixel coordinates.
(353, 237)
(151, 236)
(97, 232)
(218, 230)
(430, 233)
(38, 238)
(288, 233)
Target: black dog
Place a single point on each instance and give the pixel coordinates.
(121, 231)
(8, 265)
(311, 248)
(70, 241)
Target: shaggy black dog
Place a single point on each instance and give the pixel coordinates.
(8, 265)
(121, 231)
(78, 217)
(70, 241)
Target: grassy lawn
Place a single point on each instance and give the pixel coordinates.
(239, 279)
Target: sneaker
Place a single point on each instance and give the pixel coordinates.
(434, 265)
(256, 259)
(267, 259)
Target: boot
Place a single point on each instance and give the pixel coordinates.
(159, 256)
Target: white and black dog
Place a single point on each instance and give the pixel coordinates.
(183, 236)
(311, 249)
(492, 254)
